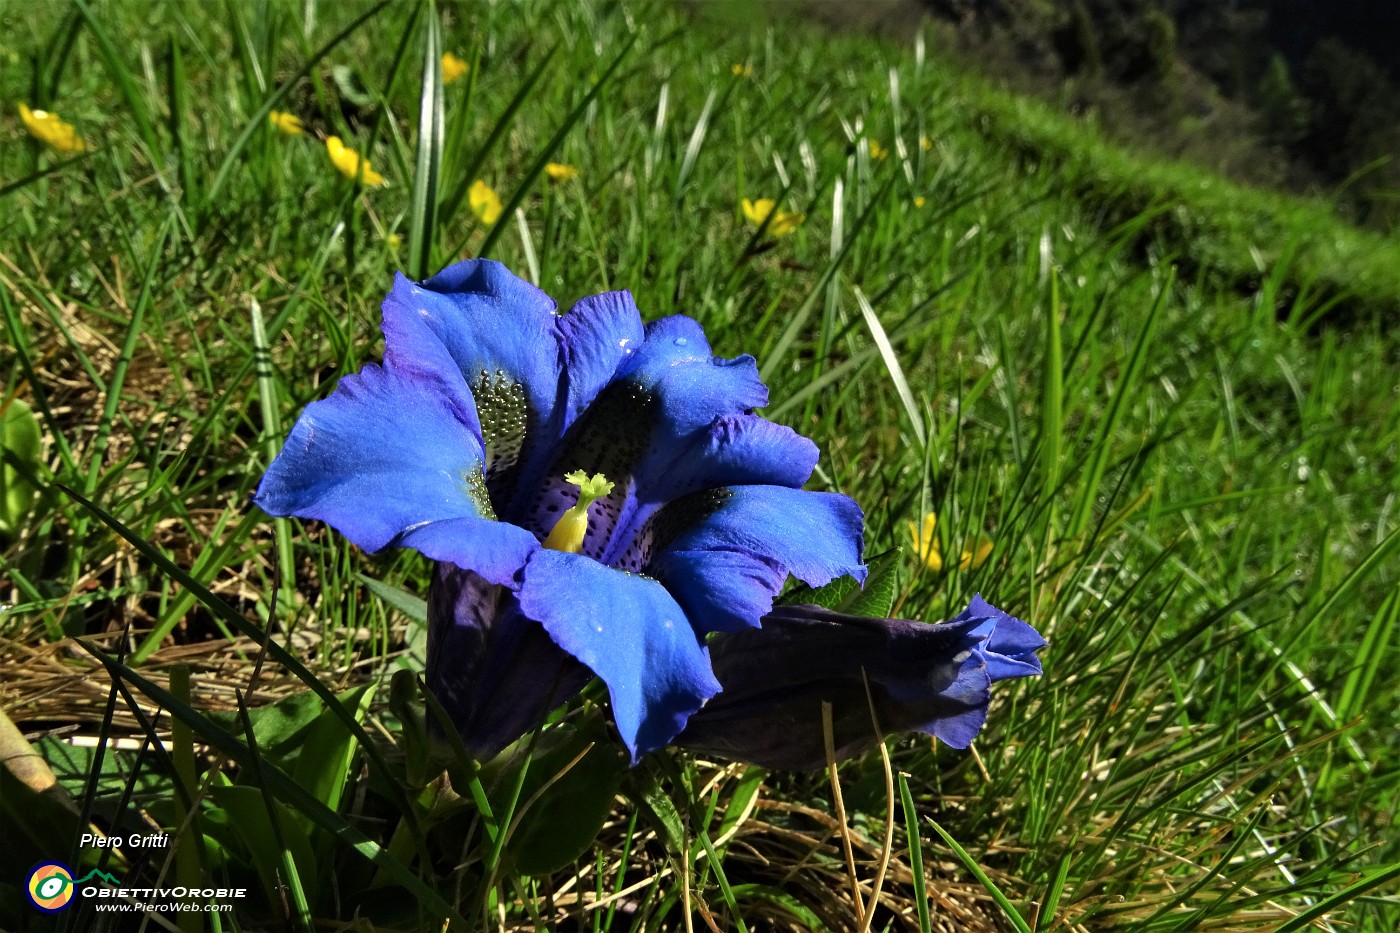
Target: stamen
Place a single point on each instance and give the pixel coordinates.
(568, 533)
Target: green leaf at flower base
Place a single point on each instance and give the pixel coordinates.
(301, 736)
(248, 832)
(844, 594)
(72, 765)
(327, 750)
(647, 790)
(414, 607)
(276, 726)
(561, 811)
(19, 462)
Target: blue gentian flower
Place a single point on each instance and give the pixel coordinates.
(598, 496)
(930, 678)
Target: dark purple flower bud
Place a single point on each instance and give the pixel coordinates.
(930, 678)
(496, 673)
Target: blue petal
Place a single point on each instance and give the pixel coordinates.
(495, 550)
(501, 334)
(1011, 644)
(496, 673)
(959, 729)
(487, 319)
(387, 453)
(631, 633)
(692, 387)
(659, 406)
(737, 450)
(731, 552)
(598, 336)
(899, 674)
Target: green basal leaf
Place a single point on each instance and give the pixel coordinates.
(72, 765)
(844, 594)
(19, 453)
(414, 607)
(328, 749)
(881, 588)
(647, 791)
(278, 726)
(249, 833)
(561, 811)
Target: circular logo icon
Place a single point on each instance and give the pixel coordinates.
(50, 887)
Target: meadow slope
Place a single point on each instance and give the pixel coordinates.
(1169, 403)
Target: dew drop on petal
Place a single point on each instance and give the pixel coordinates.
(681, 341)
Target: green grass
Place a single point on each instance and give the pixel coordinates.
(1169, 402)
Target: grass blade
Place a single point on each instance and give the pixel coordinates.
(1008, 909)
(1343, 897)
(427, 174)
(277, 782)
(1123, 390)
(258, 121)
(916, 853)
(241, 625)
(892, 365)
(548, 150)
(473, 168)
(121, 77)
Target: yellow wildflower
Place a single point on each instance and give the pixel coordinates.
(783, 222)
(926, 546)
(48, 128)
(394, 241)
(350, 164)
(925, 144)
(741, 71)
(877, 151)
(560, 171)
(920, 201)
(288, 123)
(485, 203)
(453, 68)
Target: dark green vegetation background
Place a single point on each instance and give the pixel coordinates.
(1169, 401)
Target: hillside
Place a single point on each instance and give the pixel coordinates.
(1147, 410)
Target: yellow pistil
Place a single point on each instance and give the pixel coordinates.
(568, 533)
(48, 128)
